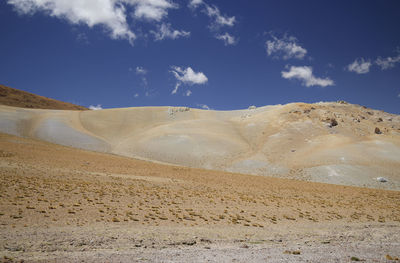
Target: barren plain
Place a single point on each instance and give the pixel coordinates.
(64, 204)
(286, 183)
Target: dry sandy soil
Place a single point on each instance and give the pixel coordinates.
(19, 98)
(336, 143)
(61, 204)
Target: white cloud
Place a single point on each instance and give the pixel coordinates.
(305, 75)
(359, 66)
(95, 107)
(204, 106)
(387, 63)
(106, 13)
(188, 77)
(195, 3)
(188, 93)
(286, 47)
(150, 9)
(175, 90)
(165, 31)
(111, 14)
(219, 19)
(227, 38)
(141, 70)
(136, 95)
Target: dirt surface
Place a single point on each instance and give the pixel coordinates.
(19, 98)
(64, 204)
(335, 142)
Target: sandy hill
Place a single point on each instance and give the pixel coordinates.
(19, 98)
(337, 143)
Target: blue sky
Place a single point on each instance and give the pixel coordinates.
(200, 53)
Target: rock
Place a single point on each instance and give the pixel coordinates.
(205, 240)
(388, 257)
(252, 107)
(189, 243)
(244, 246)
(342, 102)
(331, 122)
(380, 120)
(382, 179)
(296, 252)
(377, 130)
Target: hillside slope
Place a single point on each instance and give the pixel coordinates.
(335, 143)
(19, 98)
(61, 204)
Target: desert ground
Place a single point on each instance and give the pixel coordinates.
(336, 143)
(64, 204)
(286, 183)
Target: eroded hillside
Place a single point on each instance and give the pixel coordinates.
(336, 143)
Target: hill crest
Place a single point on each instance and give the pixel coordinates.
(23, 99)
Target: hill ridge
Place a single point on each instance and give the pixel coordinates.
(23, 99)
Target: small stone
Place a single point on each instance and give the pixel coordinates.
(382, 179)
(377, 130)
(189, 243)
(331, 122)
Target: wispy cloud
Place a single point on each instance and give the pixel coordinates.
(362, 66)
(388, 62)
(193, 4)
(306, 76)
(227, 38)
(213, 12)
(150, 9)
(187, 77)
(82, 38)
(359, 66)
(286, 47)
(204, 106)
(142, 73)
(95, 107)
(111, 14)
(140, 70)
(219, 19)
(165, 31)
(175, 90)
